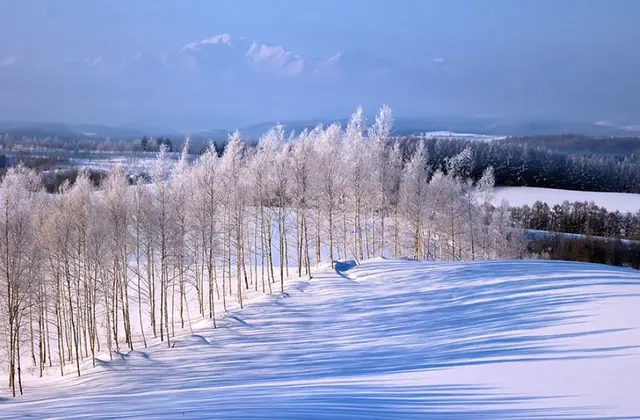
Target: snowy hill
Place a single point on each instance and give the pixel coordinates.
(387, 339)
(519, 196)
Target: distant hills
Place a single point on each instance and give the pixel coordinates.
(226, 81)
(402, 127)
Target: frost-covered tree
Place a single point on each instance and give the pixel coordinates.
(330, 173)
(415, 200)
(301, 163)
(385, 170)
(206, 208)
(161, 230)
(357, 172)
(117, 219)
(140, 246)
(181, 195)
(233, 183)
(391, 193)
(19, 192)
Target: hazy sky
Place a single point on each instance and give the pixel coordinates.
(454, 26)
(551, 41)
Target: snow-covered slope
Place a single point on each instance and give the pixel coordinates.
(519, 196)
(387, 339)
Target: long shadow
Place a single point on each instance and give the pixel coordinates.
(458, 401)
(309, 356)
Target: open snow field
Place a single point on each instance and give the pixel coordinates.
(461, 136)
(519, 196)
(387, 339)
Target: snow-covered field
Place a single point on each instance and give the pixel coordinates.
(519, 196)
(387, 339)
(461, 136)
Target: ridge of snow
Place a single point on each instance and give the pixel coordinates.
(224, 39)
(334, 58)
(275, 58)
(328, 64)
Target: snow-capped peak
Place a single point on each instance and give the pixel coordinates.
(224, 38)
(327, 64)
(228, 51)
(334, 58)
(275, 58)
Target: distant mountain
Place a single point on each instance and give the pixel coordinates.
(434, 126)
(227, 80)
(68, 131)
(224, 53)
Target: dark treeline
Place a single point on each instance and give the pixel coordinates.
(573, 162)
(51, 175)
(519, 164)
(197, 145)
(581, 144)
(588, 249)
(52, 181)
(578, 217)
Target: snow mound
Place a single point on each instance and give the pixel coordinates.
(122, 360)
(191, 341)
(408, 340)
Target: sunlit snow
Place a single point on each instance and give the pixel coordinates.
(386, 339)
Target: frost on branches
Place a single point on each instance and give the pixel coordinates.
(85, 271)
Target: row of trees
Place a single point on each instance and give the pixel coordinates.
(86, 271)
(538, 161)
(151, 144)
(15, 146)
(587, 249)
(581, 144)
(578, 217)
(518, 164)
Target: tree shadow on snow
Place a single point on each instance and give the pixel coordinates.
(313, 358)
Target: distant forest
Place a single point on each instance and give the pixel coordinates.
(522, 161)
(580, 144)
(568, 161)
(581, 231)
(579, 218)
(587, 249)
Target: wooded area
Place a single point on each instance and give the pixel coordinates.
(578, 217)
(88, 270)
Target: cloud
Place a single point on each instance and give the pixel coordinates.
(8, 61)
(438, 60)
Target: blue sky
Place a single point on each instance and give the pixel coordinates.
(42, 26)
(552, 42)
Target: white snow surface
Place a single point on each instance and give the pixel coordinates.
(386, 339)
(461, 136)
(519, 196)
